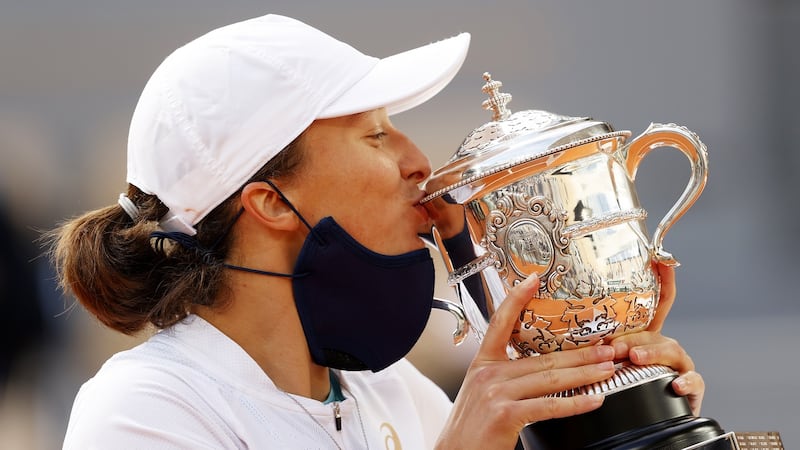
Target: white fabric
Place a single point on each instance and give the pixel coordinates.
(191, 387)
(220, 107)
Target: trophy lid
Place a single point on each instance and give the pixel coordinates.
(510, 140)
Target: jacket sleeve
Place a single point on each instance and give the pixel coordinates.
(143, 412)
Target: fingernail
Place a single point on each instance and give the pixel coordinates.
(605, 351)
(606, 365)
(681, 384)
(621, 348)
(594, 399)
(639, 355)
(530, 281)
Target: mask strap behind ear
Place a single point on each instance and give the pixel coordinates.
(294, 210)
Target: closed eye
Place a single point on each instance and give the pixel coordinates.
(379, 136)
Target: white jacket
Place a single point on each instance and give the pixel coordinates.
(191, 387)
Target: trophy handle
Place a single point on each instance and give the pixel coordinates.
(462, 325)
(670, 135)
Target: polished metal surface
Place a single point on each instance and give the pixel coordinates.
(460, 333)
(552, 195)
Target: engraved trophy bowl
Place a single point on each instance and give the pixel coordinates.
(540, 193)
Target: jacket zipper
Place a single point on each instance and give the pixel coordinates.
(337, 416)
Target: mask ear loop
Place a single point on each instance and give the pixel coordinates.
(300, 216)
(296, 212)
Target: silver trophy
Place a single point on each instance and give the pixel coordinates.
(540, 193)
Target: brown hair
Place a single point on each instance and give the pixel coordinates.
(126, 279)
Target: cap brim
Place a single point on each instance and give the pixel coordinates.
(405, 80)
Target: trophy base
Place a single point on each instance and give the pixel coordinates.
(645, 416)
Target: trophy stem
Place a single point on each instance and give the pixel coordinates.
(645, 415)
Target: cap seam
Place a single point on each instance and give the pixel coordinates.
(290, 73)
(176, 107)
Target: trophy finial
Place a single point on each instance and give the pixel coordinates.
(497, 100)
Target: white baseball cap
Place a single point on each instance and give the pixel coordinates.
(220, 107)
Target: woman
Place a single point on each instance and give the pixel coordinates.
(270, 233)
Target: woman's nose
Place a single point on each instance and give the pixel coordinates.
(414, 164)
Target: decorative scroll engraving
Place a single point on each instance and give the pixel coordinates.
(498, 131)
(590, 318)
(524, 234)
(576, 305)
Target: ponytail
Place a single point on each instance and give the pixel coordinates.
(107, 261)
(129, 275)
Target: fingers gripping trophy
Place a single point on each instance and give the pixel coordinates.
(540, 193)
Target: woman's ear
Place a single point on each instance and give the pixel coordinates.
(265, 205)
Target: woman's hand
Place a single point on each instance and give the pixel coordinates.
(500, 396)
(651, 347)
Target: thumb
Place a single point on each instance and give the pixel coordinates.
(493, 346)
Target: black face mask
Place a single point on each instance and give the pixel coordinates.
(359, 309)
